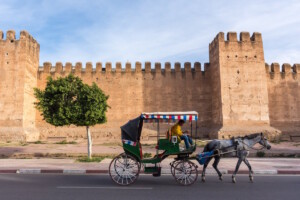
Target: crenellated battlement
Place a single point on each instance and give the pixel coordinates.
(11, 36)
(232, 37)
(148, 67)
(285, 68)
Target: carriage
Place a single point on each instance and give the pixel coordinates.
(125, 168)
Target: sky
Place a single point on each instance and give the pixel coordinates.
(150, 30)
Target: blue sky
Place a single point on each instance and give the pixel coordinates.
(150, 30)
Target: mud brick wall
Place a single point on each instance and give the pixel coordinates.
(284, 96)
(136, 89)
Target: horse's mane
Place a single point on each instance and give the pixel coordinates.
(251, 136)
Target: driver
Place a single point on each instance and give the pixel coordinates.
(176, 131)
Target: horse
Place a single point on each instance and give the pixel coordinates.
(234, 147)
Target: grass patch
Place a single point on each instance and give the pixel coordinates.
(148, 145)
(201, 143)
(38, 142)
(23, 144)
(260, 154)
(109, 144)
(72, 142)
(282, 155)
(276, 141)
(93, 159)
(66, 142)
(147, 155)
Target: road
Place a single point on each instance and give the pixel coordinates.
(90, 187)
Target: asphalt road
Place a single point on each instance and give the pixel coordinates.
(90, 187)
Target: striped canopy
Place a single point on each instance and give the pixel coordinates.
(189, 115)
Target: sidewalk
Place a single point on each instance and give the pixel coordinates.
(70, 166)
(61, 158)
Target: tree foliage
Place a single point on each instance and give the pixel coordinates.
(68, 100)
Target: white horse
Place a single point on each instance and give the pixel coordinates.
(237, 147)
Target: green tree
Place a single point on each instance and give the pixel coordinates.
(67, 101)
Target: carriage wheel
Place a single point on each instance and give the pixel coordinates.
(173, 164)
(185, 172)
(124, 169)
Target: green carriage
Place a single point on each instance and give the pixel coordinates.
(125, 168)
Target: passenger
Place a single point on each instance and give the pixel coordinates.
(176, 131)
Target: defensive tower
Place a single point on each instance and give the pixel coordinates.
(239, 94)
(19, 61)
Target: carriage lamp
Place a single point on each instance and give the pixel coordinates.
(174, 140)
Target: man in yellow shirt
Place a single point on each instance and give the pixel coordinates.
(176, 131)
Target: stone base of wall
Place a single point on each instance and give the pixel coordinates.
(289, 133)
(18, 134)
(112, 132)
(226, 132)
(106, 133)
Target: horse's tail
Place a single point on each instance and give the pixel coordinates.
(212, 145)
(205, 149)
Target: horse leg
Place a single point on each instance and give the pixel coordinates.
(215, 165)
(236, 169)
(204, 168)
(250, 169)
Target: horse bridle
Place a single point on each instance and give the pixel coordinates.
(263, 146)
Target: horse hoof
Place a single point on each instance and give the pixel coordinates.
(233, 180)
(203, 179)
(220, 178)
(251, 179)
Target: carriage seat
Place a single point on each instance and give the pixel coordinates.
(169, 134)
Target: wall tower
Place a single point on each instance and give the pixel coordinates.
(239, 93)
(19, 61)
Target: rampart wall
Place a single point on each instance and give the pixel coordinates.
(133, 90)
(284, 97)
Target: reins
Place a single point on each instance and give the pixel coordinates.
(253, 147)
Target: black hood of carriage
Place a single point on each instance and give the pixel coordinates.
(132, 129)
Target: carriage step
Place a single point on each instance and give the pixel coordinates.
(152, 170)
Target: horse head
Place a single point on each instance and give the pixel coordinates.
(264, 141)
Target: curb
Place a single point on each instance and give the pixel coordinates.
(166, 172)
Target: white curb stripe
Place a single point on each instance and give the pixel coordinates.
(74, 171)
(29, 171)
(272, 171)
(212, 171)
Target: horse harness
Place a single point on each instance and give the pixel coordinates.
(238, 146)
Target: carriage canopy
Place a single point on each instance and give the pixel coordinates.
(187, 116)
(131, 131)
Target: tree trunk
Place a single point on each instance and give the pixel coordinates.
(89, 138)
